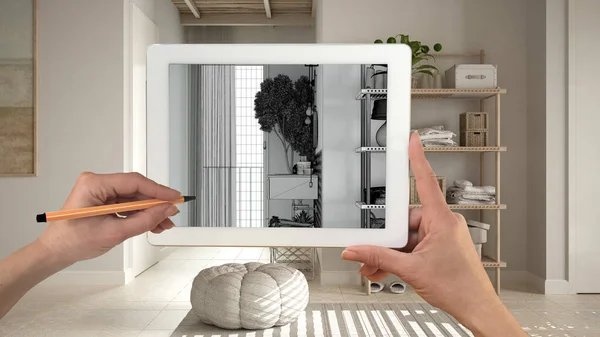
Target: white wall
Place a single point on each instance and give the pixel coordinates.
(339, 121)
(80, 114)
(556, 146)
(462, 26)
(179, 146)
(238, 34)
(536, 137)
(16, 27)
(340, 125)
(547, 225)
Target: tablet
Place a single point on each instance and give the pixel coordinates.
(283, 145)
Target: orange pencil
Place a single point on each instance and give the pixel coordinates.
(107, 209)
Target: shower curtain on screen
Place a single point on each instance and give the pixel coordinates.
(213, 172)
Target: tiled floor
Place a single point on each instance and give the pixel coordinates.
(155, 303)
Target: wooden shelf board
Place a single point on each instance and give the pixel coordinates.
(436, 93)
(474, 206)
(363, 205)
(441, 149)
(489, 262)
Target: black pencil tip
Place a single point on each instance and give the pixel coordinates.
(188, 198)
(41, 217)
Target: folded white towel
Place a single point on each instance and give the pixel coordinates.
(481, 189)
(430, 129)
(463, 200)
(473, 190)
(462, 183)
(467, 186)
(437, 135)
(463, 192)
(438, 142)
(470, 202)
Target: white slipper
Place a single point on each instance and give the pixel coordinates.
(376, 287)
(397, 287)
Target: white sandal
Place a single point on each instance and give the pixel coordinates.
(376, 287)
(397, 287)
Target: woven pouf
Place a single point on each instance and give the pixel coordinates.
(249, 296)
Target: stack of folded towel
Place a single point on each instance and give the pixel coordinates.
(464, 193)
(436, 136)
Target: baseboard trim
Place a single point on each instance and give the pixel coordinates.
(164, 252)
(558, 287)
(511, 279)
(129, 276)
(69, 277)
(339, 278)
(537, 283)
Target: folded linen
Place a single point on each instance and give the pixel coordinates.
(463, 201)
(480, 189)
(438, 135)
(457, 193)
(438, 142)
(462, 183)
(463, 192)
(435, 132)
(468, 186)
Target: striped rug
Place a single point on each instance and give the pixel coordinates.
(346, 320)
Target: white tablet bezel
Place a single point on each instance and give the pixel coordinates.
(398, 59)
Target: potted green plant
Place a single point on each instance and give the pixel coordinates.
(420, 54)
(280, 107)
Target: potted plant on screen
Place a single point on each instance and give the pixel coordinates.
(420, 55)
(281, 108)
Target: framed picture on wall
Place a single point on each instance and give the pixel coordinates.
(18, 55)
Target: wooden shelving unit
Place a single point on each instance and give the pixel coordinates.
(363, 205)
(366, 150)
(441, 149)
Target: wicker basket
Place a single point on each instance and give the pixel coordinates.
(414, 195)
(474, 121)
(473, 138)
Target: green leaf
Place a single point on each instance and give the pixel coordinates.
(425, 72)
(427, 66)
(415, 46)
(437, 47)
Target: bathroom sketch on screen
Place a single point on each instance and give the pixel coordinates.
(267, 145)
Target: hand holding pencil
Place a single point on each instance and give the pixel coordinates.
(87, 226)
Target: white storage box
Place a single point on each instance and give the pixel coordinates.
(478, 235)
(293, 186)
(478, 248)
(472, 76)
(473, 223)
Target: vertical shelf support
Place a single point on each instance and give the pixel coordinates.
(498, 195)
(365, 161)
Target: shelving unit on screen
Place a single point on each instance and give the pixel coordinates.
(366, 150)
